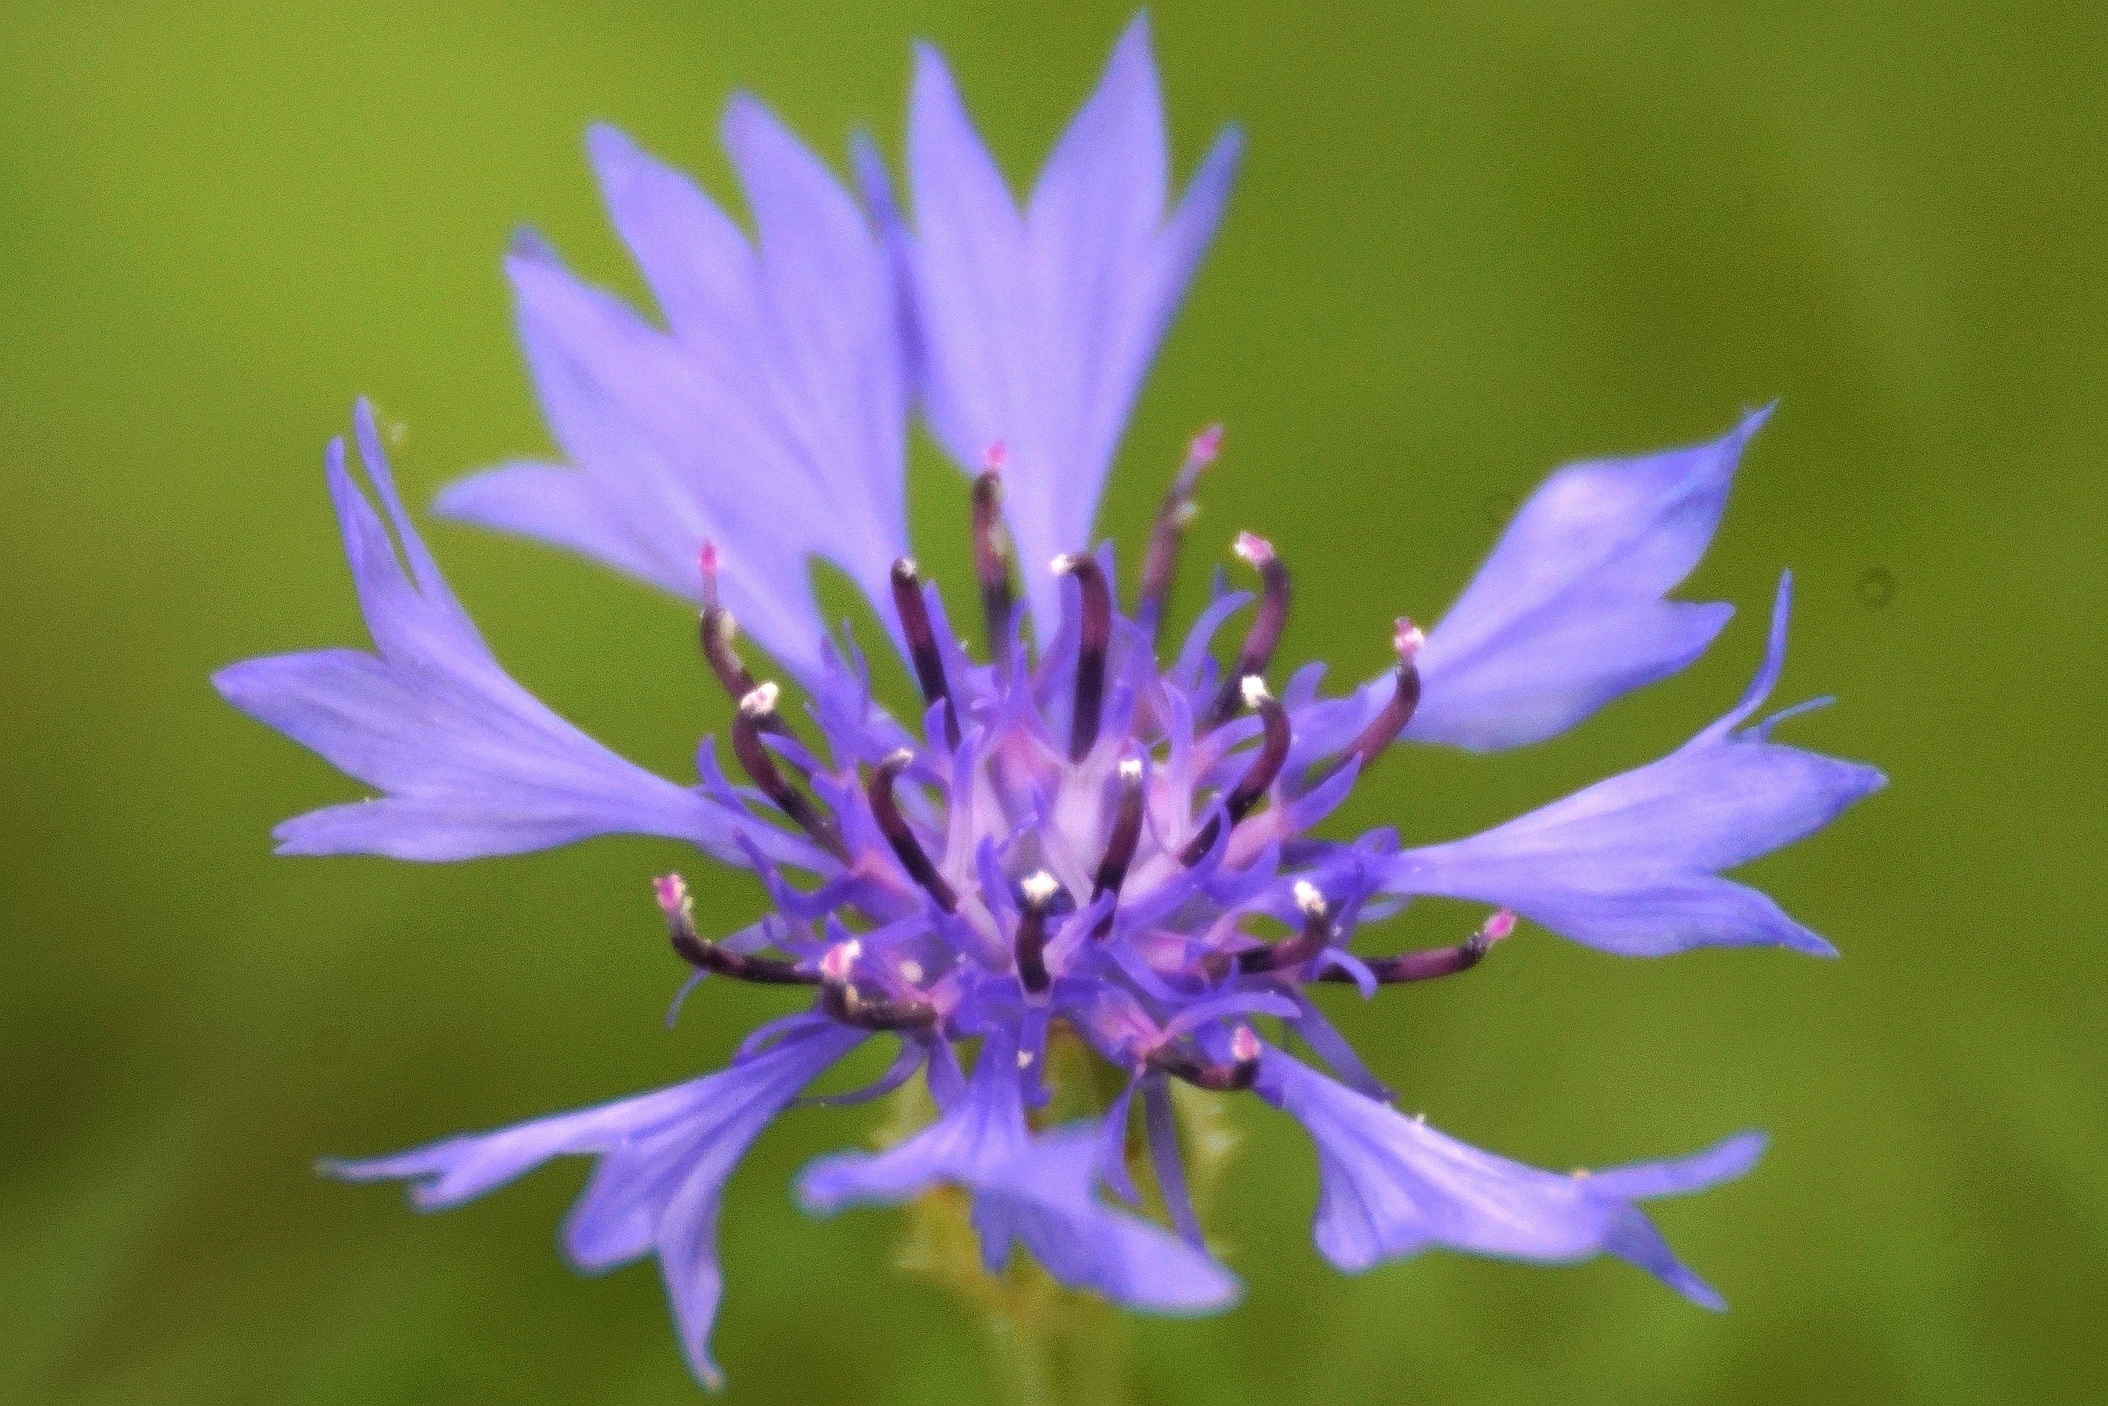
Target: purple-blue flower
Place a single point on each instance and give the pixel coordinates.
(1086, 831)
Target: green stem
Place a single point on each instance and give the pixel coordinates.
(1069, 1349)
(1022, 1360)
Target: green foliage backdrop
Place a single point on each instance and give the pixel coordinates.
(1473, 240)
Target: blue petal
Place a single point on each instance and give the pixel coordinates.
(1112, 1147)
(984, 1128)
(874, 186)
(665, 1157)
(1726, 1160)
(1160, 1127)
(1037, 331)
(1044, 1200)
(1038, 1190)
(445, 1174)
(1631, 864)
(1568, 613)
(695, 259)
(770, 419)
(1389, 1186)
(469, 762)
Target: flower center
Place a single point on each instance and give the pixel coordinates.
(1085, 837)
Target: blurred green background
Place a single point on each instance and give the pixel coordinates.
(1472, 241)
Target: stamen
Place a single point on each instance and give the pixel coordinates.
(991, 556)
(718, 630)
(894, 826)
(1160, 565)
(1273, 749)
(914, 615)
(1441, 961)
(756, 711)
(840, 998)
(1038, 890)
(705, 955)
(1257, 651)
(1120, 846)
(1266, 765)
(1238, 1074)
(1094, 638)
(1383, 729)
(1287, 955)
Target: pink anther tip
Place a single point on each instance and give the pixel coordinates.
(995, 458)
(1253, 549)
(1206, 445)
(706, 561)
(1408, 638)
(671, 891)
(1499, 925)
(1244, 1045)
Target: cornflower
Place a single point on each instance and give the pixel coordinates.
(1083, 833)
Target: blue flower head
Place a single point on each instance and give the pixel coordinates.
(1087, 833)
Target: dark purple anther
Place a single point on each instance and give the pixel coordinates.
(1257, 651)
(1238, 1073)
(1266, 765)
(1440, 961)
(717, 632)
(1036, 892)
(1120, 846)
(840, 998)
(1160, 565)
(1383, 729)
(757, 712)
(1094, 638)
(914, 615)
(705, 955)
(1286, 956)
(991, 556)
(894, 826)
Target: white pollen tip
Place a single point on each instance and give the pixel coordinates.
(911, 970)
(899, 758)
(1407, 638)
(906, 568)
(1039, 887)
(840, 958)
(1309, 899)
(1024, 1059)
(762, 701)
(1063, 564)
(1254, 690)
(1131, 771)
(1252, 550)
(1244, 1045)
(1185, 514)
